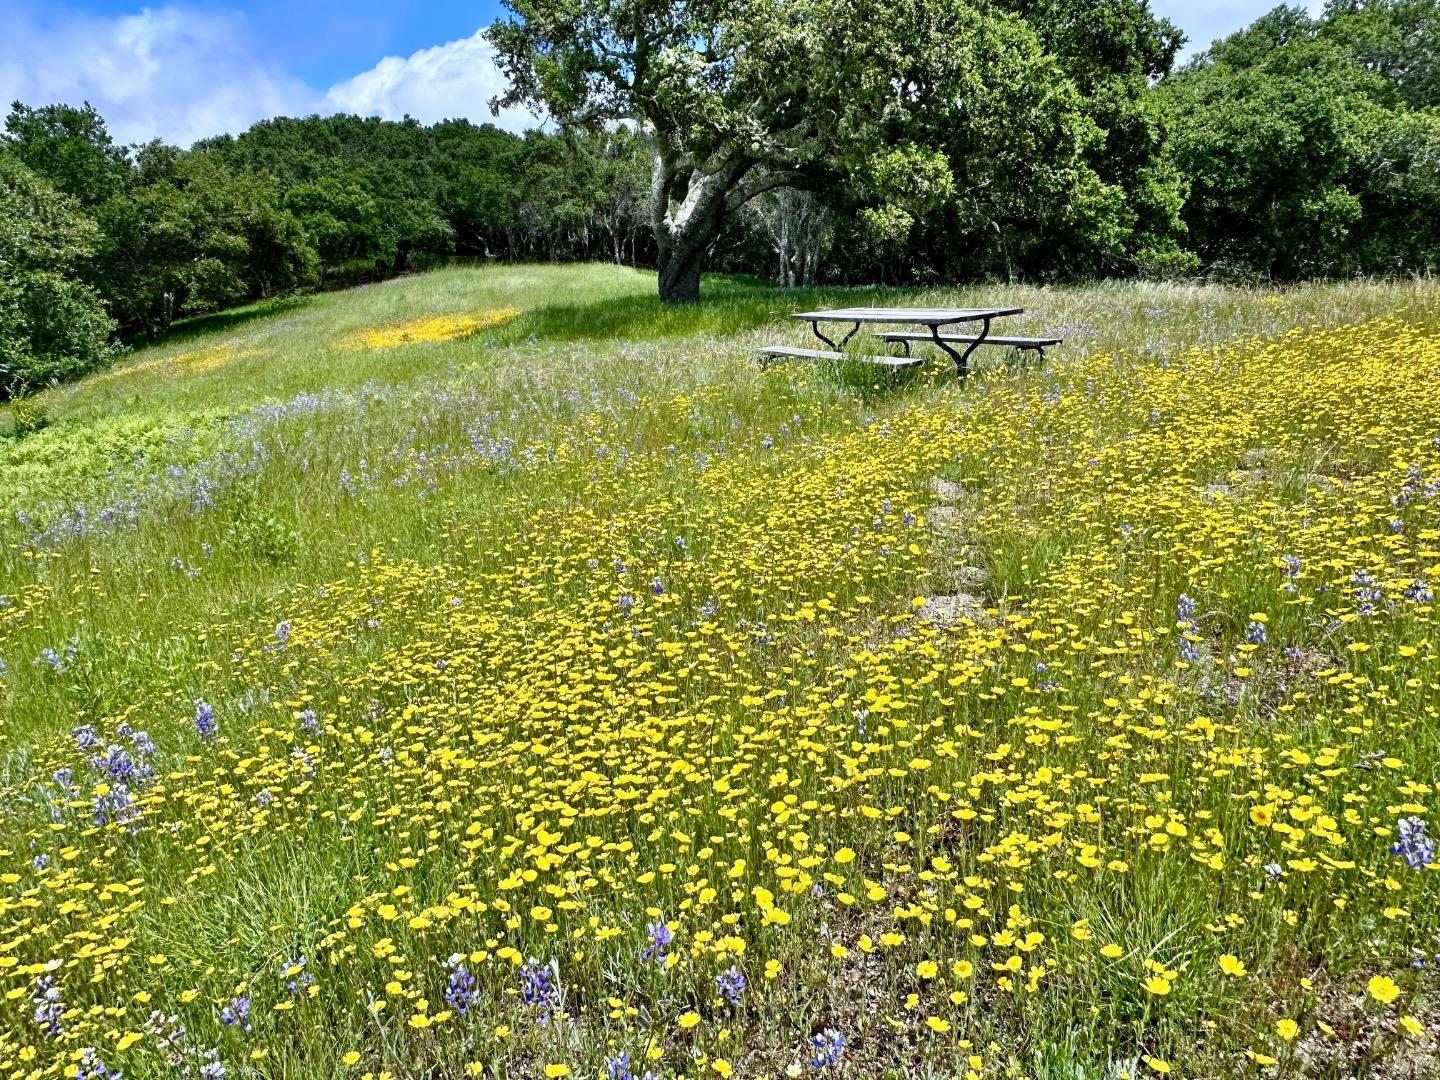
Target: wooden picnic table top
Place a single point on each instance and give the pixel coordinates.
(917, 316)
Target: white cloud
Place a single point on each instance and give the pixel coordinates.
(172, 72)
(456, 79)
(185, 74)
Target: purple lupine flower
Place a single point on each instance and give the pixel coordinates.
(118, 766)
(618, 1068)
(1367, 594)
(49, 1009)
(460, 992)
(538, 989)
(92, 1067)
(826, 1049)
(626, 603)
(660, 937)
(309, 721)
(1185, 610)
(237, 1014)
(205, 723)
(657, 587)
(1255, 633)
(85, 738)
(1048, 686)
(1417, 592)
(282, 633)
(114, 807)
(295, 975)
(170, 1037)
(1417, 849)
(730, 984)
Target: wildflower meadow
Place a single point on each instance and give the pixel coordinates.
(494, 673)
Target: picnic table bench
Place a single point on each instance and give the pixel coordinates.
(1036, 344)
(777, 351)
(931, 319)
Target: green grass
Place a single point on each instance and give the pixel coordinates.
(223, 492)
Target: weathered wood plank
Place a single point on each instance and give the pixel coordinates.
(923, 316)
(824, 354)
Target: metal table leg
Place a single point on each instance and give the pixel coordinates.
(815, 326)
(961, 359)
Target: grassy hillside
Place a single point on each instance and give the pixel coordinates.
(491, 673)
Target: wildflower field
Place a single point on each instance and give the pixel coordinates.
(494, 674)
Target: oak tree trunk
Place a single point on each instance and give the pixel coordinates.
(680, 276)
(684, 232)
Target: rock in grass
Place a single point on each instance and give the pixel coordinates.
(969, 576)
(946, 491)
(949, 610)
(943, 518)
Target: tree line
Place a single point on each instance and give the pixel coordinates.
(904, 141)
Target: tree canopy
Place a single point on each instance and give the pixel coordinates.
(906, 109)
(52, 326)
(1312, 145)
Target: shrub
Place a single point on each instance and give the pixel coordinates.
(52, 327)
(26, 418)
(263, 537)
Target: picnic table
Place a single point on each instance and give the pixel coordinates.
(930, 319)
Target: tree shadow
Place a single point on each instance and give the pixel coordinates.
(194, 326)
(727, 305)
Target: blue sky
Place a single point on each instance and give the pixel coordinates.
(183, 70)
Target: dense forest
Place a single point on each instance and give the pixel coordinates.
(1034, 139)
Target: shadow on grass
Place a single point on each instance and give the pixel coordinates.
(727, 305)
(867, 382)
(197, 325)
